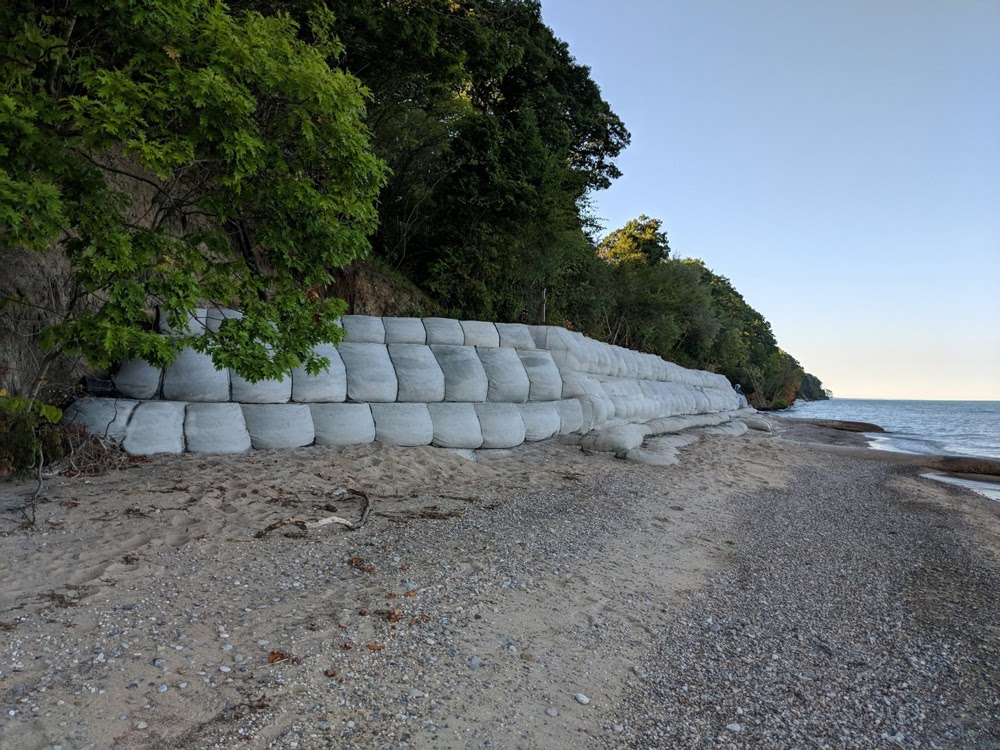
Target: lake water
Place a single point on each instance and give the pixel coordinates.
(959, 428)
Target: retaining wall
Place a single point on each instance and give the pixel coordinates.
(413, 381)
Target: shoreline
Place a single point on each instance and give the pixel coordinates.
(480, 599)
(981, 474)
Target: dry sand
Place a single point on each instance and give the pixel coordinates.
(479, 600)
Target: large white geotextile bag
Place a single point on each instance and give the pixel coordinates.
(343, 424)
(543, 375)
(279, 425)
(363, 329)
(417, 372)
(194, 326)
(501, 424)
(155, 427)
(262, 392)
(605, 359)
(541, 420)
(540, 335)
(444, 331)
(479, 333)
(563, 347)
(403, 424)
(192, 376)
(101, 416)
(330, 385)
(215, 428)
(614, 439)
(138, 379)
(464, 376)
(570, 415)
(370, 374)
(404, 331)
(456, 425)
(508, 382)
(515, 335)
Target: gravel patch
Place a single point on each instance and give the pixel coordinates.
(853, 617)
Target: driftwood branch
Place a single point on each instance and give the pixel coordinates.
(316, 523)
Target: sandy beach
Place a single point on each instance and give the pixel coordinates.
(760, 593)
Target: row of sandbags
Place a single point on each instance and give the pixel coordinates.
(613, 401)
(149, 427)
(367, 329)
(405, 381)
(370, 372)
(572, 350)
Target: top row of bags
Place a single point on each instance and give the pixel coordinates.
(572, 352)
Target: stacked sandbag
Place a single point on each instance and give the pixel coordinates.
(216, 428)
(419, 376)
(455, 425)
(370, 373)
(107, 417)
(279, 425)
(324, 387)
(507, 380)
(342, 424)
(411, 381)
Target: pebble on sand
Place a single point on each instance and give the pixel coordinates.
(582, 699)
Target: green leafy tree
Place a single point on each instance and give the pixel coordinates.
(495, 136)
(640, 240)
(182, 155)
(650, 301)
(812, 389)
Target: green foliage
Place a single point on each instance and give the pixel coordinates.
(495, 136)
(812, 388)
(639, 241)
(185, 154)
(29, 434)
(248, 146)
(684, 312)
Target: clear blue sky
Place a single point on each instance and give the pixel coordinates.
(838, 161)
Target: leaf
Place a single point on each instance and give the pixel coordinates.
(276, 656)
(375, 647)
(358, 563)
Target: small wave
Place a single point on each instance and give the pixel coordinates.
(987, 489)
(906, 444)
(954, 428)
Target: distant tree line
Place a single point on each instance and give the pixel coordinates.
(275, 141)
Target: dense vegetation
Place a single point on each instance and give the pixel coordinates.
(181, 153)
(277, 140)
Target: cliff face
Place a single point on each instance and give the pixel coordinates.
(36, 291)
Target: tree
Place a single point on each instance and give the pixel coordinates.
(495, 135)
(182, 155)
(640, 239)
(812, 389)
(650, 301)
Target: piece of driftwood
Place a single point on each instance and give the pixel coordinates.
(327, 521)
(316, 523)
